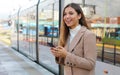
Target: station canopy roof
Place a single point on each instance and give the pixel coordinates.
(105, 25)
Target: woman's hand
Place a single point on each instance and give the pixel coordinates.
(59, 51)
(54, 51)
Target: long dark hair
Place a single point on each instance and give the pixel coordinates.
(64, 30)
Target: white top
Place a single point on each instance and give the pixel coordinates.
(74, 31)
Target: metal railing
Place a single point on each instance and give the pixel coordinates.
(104, 56)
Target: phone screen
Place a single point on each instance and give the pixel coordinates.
(50, 44)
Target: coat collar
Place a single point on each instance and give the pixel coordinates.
(75, 39)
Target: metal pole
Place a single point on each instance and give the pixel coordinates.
(37, 34)
(53, 24)
(83, 3)
(94, 9)
(102, 53)
(61, 5)
(114, 54)
(104, 30)
(18, 14)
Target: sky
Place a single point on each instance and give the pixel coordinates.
(7, 7)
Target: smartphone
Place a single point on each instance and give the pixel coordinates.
(50, 44)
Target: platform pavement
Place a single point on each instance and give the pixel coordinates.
(13, 63)
(106, 69)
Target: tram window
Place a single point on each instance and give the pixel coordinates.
(21, 26)
(51, 31)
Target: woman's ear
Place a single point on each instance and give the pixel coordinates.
(79, 16)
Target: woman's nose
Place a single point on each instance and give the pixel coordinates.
(67, 16)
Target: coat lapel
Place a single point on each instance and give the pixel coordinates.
(77, 38)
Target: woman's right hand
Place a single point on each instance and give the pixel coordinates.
(54, 51)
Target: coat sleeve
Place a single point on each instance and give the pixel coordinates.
(59, 60)
(89, 59)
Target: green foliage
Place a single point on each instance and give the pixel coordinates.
(111, 41)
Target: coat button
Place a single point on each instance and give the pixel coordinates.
(71, 64)
(67, 62)
(74, 65)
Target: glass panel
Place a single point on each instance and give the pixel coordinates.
(14, 32)
(48, 31)
(27, 36)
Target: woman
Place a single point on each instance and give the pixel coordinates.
(77, 45)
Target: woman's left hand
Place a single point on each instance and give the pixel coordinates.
(59, 51)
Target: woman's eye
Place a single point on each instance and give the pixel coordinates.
(64, 14)
(71, 13)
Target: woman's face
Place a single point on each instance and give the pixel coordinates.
(71, 18)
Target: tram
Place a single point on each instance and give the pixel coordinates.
(33, 28)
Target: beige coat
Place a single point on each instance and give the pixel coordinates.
(81, 57)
